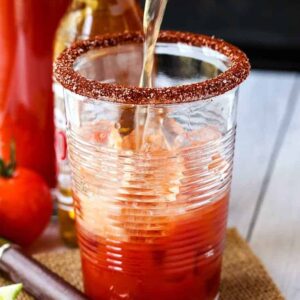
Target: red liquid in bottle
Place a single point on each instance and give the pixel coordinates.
(26, 102)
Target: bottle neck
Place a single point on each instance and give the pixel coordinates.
(95, 4)
(115, 7)
(100, 4)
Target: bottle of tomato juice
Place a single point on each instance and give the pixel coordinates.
(27, 31)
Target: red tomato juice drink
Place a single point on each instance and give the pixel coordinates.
(151, 185)
(183, 263)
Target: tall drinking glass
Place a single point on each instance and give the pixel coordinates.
(151, 167)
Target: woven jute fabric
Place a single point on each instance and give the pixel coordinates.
(243, 276)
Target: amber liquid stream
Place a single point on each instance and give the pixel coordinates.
(153, 16)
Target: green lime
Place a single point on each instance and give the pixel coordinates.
(10, 292)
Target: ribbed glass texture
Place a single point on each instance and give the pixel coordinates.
(151, 197)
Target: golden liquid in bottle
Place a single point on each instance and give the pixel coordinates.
(87, 18)
(84, 19)
(66, 216)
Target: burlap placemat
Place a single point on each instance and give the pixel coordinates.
(243, 277)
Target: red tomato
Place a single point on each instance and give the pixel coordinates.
(25, 206)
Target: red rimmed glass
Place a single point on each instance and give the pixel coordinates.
(152, 167)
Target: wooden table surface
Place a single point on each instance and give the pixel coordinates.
(265, 201)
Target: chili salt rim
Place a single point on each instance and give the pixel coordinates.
(224, 82)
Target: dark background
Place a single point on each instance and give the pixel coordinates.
(268, 30)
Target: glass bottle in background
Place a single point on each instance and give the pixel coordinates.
(84, 19)
(27, 31)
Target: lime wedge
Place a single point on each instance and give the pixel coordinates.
(10, 292)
